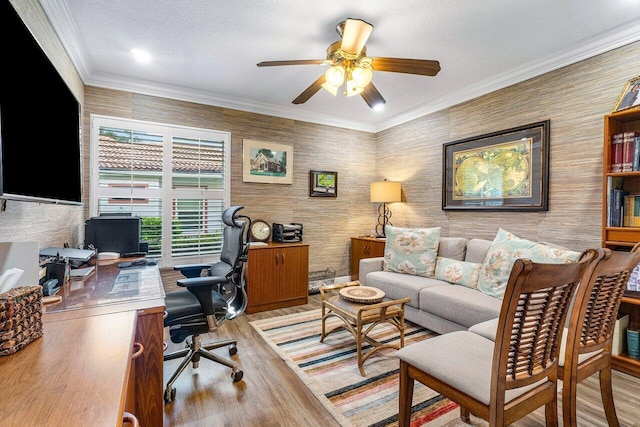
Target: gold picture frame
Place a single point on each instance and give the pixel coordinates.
(504, 170)
(267, 162)
(629, 97)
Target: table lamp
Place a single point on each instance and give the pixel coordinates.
(384, 192)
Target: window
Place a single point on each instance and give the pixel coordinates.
(176, 179)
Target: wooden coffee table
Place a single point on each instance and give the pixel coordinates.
(360, 319)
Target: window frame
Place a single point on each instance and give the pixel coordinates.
(167, 194)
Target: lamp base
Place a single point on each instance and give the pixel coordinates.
(384, 213)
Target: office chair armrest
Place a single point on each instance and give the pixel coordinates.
(191, 270)
(203, 289)
(201, 282)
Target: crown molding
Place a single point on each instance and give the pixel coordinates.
(59, 16)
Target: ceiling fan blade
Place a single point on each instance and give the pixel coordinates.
(310, 91)
(423, 67)
(291, 62)
(371, 96)
(355, 35)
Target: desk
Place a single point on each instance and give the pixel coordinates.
(52, 382)
(87, 305)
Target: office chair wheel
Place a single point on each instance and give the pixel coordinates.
(169, 395)
(236, 376)
(233, 349)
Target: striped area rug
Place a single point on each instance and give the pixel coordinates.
(330, 370)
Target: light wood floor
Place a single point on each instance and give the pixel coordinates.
(270, 393)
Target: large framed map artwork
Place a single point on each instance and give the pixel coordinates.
(504, 170)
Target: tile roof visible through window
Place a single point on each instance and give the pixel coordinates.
(115, 155)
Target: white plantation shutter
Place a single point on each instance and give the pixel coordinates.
(175, 178)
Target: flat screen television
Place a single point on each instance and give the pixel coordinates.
(40, 122)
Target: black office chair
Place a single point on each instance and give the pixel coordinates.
(209, 300)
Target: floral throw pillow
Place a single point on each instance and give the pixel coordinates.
(458, 272)
(411, 250)
(505, 249)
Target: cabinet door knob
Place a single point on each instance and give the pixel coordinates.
(128, 417)
(282, 255)
(138, 350)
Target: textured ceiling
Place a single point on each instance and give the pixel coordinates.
(206, 50)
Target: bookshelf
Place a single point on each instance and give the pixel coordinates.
(621, 235)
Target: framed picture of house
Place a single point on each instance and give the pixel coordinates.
(267, 162)
(504, 170)
(323, 184)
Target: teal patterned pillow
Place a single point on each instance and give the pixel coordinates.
(458, 272)
(411, 250)
(504, 250)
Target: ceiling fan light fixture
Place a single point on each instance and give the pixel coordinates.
(361, 76)
(335, 76)
(333, 90)
(355, 35)
(352, 88)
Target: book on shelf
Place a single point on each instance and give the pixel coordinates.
(617, 142)
(628, 150)
(616, 207)
(636, 154)
(620, 334)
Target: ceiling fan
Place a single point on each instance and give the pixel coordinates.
(351, 69)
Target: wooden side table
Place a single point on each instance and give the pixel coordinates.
(361, 319)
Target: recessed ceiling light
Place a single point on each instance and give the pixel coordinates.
(378, 107)
(141, 55)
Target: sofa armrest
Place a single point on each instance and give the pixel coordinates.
(368, 265)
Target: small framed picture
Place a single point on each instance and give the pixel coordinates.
(323, 184)
(629, 97)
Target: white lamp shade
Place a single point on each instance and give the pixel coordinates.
(386, 192)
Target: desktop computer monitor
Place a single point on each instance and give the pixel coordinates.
(113, 233)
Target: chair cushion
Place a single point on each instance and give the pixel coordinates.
(461, 359)
(563, 350)
(411, 250)
(486, 329)
(183, 303)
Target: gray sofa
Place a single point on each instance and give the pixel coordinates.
(435, 304)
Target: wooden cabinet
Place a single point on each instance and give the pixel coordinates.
(625, 235)
(364, 247)
(277, 276)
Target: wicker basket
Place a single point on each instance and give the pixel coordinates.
(20, 318)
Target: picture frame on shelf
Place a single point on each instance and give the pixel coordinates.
(504, 170)
(267, 162)
(629, 97)
(323, 184)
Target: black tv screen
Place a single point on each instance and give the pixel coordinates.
(40, 123)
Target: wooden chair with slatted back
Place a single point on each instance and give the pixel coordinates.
(501, 382)
(590, 332)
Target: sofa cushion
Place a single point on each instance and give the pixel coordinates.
(477, 250)
(459, 304)
(453, 247)
(411, 250)
(396, 285)
(458, 272)
(504, 250)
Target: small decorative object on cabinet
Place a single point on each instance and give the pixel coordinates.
(364, 247)
(277, 276)
(260, 231)
(620, 202)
